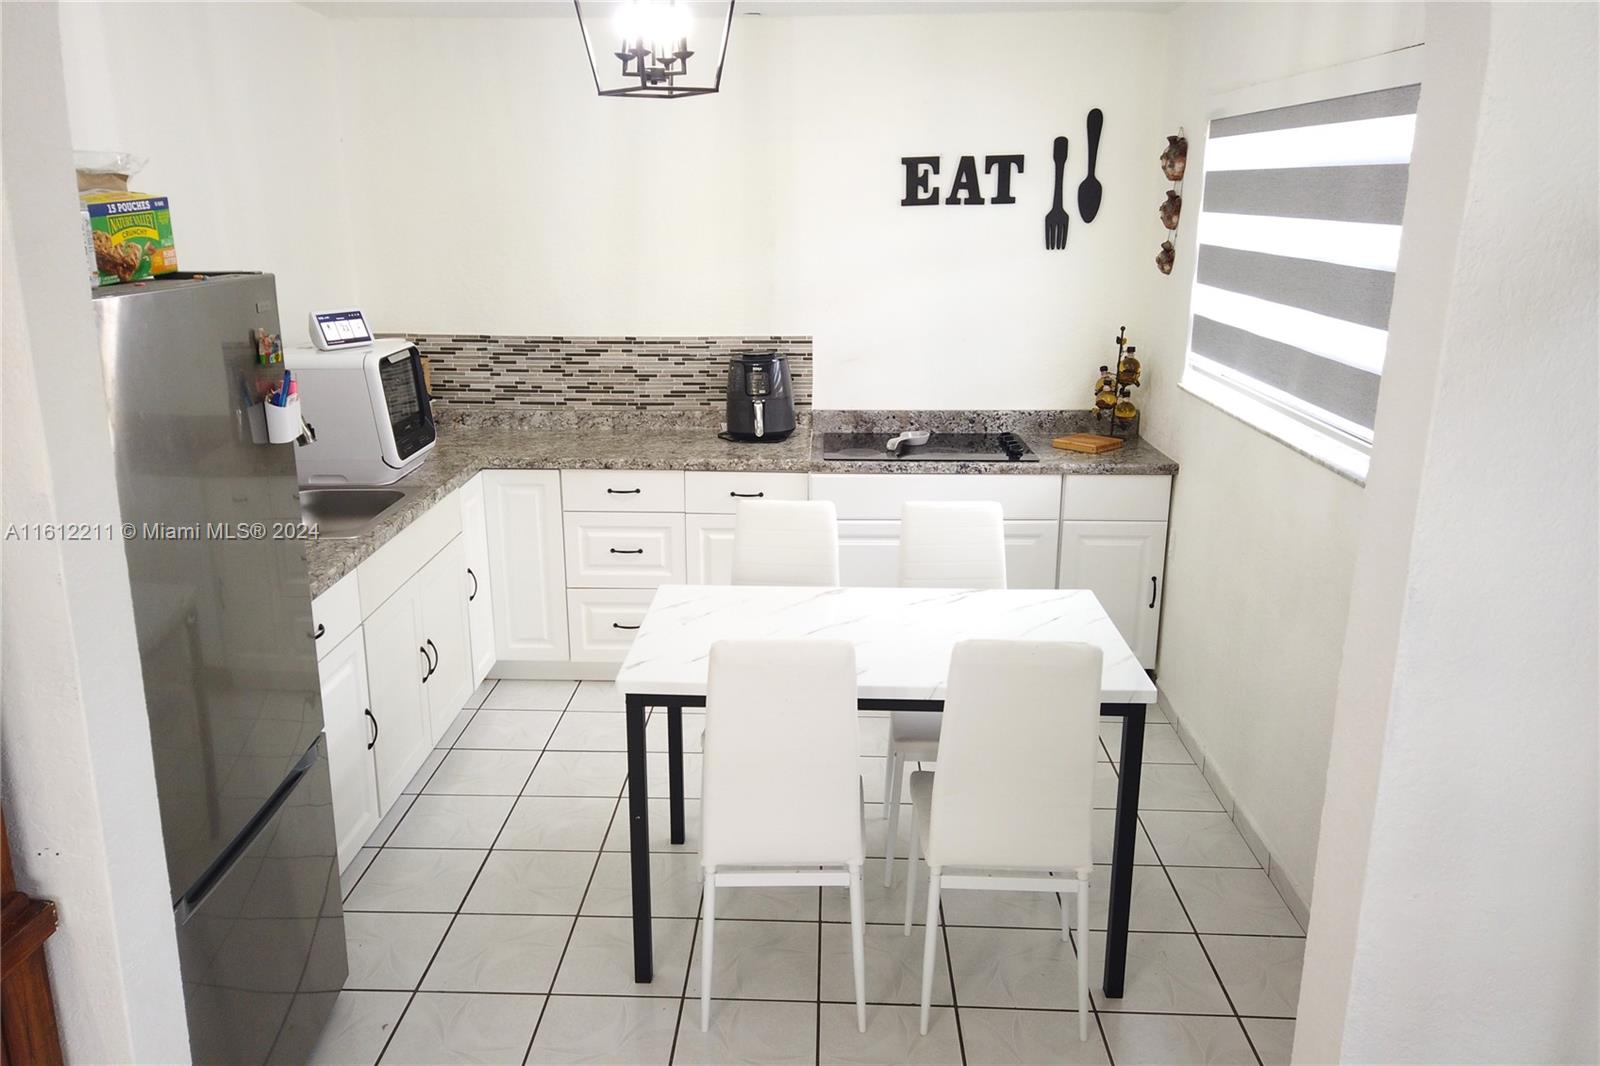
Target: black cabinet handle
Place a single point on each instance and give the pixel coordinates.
(374, 721)
(619, 625)
(747, 495)
(429, 672)
(1152, 593)
(624, 492)
(626, 551)
(474, 577)
(435, 666)
(316, 634)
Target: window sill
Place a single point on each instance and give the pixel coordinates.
(1348, 462)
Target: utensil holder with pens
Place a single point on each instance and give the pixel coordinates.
(284, 424)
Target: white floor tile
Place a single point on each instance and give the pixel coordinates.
(420, 779)
(357, 867)
(360, 1025)
(391, 950)
(531, 695)
(1014, 968)
(893, 1035)
(1171, 787)
(655, 733)
(557, 823)
(1261, 973)
(481, 693)
(404, 879)
(656, 769)
(771, 1032)
(894, 966)
(1273, 1038)
(597, 696)
(481, 773)
(509, 729)
(579, 773)
(1026, 1038)
(878, 833)
(1197, 838)
(452, 822)
(499, 953)
(760, 960)
(531, 882)
(599, 959)
(660, 828)
(1161, 743)
(1233, 901)
(1104, 836)
(453, 733)
(1164, 1040)
(391, 818)
(1166, 972)
(445, 1027)
(674, 886)
(608, 1029)
(590, 731)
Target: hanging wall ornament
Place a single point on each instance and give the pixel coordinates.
(1174, 161)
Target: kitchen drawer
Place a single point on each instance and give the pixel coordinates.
(602, 622)
(720, 493)
(622, 490)
(392, 565)
(336, 613)
(610, 550)
(880, 496)
(869, 553)
(1117, 497)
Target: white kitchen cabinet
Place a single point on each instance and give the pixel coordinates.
(869, 553)
(603, 622)
(709, 539)
(349, 724)
(526, 572)
(719, 492)
(1123, 563)
(441, 589)
(397, 661)
(480, 591)
(611, 550)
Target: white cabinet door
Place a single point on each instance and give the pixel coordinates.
(442, 589)
(603, 622)
(396, 663)
(1123, 564)
(869, 554)
(348, 723)
(623, 551)
(526, 574)
(480, 594)
(710, 541)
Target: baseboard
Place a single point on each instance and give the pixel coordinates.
(1292, 899)
(554, 671)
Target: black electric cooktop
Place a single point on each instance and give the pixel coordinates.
(941, 448)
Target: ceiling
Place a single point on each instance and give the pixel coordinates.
(563, 8)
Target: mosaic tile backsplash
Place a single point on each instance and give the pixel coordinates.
(661, 374)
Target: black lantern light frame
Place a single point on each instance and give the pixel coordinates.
(659, 68)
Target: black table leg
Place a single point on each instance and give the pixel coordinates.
(675, 770)
(639, 841)
(1125, 835)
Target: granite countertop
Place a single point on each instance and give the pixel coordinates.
(465, 448)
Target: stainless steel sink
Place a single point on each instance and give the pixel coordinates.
(346, 514)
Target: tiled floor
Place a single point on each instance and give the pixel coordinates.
(487, 923)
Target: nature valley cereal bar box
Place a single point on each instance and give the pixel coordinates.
(129, 236)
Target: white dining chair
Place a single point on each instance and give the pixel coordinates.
(954, 545)
(798, 826)
(786, 542)
(1010, 807)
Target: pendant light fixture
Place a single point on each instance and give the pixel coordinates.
(655, 48)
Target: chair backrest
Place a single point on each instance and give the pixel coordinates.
(1015, 780)
(781, 780)
(954, 545)
(786, 542)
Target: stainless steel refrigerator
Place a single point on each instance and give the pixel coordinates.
(223, 611)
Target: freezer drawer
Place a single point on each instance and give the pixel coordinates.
(261, 936)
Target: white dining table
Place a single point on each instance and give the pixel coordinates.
(902, 639)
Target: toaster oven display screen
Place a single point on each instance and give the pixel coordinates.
(408, 413)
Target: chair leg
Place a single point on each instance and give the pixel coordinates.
(891, 805)
(858, 944)
(1066, 915)
(708, 924)
(929, 945)
(1083, 959)
(911, 874)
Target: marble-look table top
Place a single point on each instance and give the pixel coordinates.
(902, 637)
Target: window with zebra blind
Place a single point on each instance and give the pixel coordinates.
(1298, 236)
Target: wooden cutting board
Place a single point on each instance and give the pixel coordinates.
(1089, 443)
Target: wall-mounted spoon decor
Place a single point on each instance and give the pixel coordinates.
(1089, 191)
(1055, 222)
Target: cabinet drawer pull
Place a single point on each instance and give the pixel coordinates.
(1152, 593)
(626, 551)
(619, 625)
(747, 495)
(316, 634)
(474, 594)
(623, 492)
(435, 665)
(429, 671)
(373, 719)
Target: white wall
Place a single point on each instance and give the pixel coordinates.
(1261, 541)
(1459, 856)
(236, 108)
(503, 196)
(79, 785)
